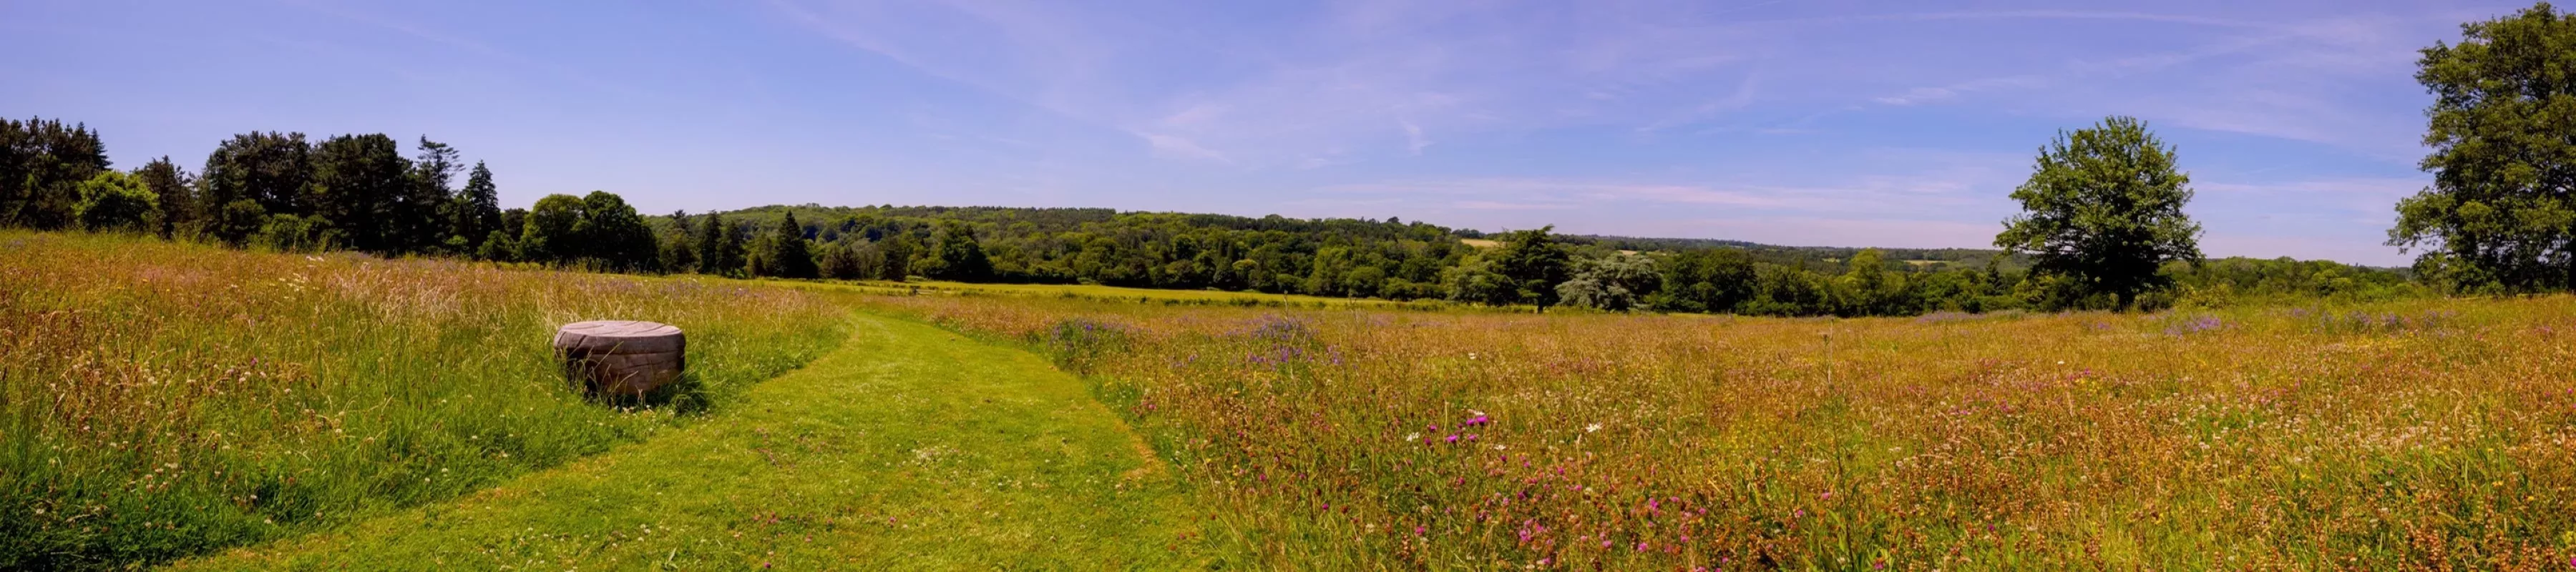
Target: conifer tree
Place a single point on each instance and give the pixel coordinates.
(477, 208)
(171, 185)
(719, 246)
(788, 256)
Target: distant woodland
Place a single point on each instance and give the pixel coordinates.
(374, 194)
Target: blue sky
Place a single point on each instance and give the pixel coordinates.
(1848, 123)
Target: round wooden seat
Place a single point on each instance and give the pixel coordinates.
(620, 337)
(621, 357)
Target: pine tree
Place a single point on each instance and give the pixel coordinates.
(787, 254)
(176, 193)
(719, 246)
(477, 208)
(421, 217)
(42, 165)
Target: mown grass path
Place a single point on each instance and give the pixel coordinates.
(910, 447)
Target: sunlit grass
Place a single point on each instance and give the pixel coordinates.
(2430, 434)
(159, 400)
(1137, 295)
(907, 448)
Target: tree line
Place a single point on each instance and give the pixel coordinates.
(1398, 260)
(278, 191)
(2102, 224)
(281, 191)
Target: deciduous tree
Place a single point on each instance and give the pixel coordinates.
(679, 249)
(2103, 207)
(358, 182)
(1618, 282)
(957, 255)
(612, 235)
(112, 201)
(269, 169)
(549, 236)
(2502, 208)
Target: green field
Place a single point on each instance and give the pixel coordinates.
(1123, 294)
(218, 410)
(907, 448)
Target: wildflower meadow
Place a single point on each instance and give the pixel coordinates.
(161, 399)
(2417, 435)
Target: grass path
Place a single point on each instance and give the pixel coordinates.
(910, 447)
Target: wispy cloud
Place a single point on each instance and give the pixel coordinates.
(1353, 68)
(1175, 146)
(1335, 75)
(2075, 15)
(1510, 206)
(2326, 80)
(2374, 194)
(1934, 94)
(1940, 190)
(1414, 141)
(1360, 92)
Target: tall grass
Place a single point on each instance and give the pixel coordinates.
(159, 400)
(1164, 296)
(2414, 435)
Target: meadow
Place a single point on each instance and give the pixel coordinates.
(160, 399)
(2414, 435)
(1102, 293)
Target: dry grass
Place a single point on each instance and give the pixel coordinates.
(2423, 435)
(1101, 293)
(159, 400)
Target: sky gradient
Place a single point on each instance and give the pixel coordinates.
(1837, 123)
